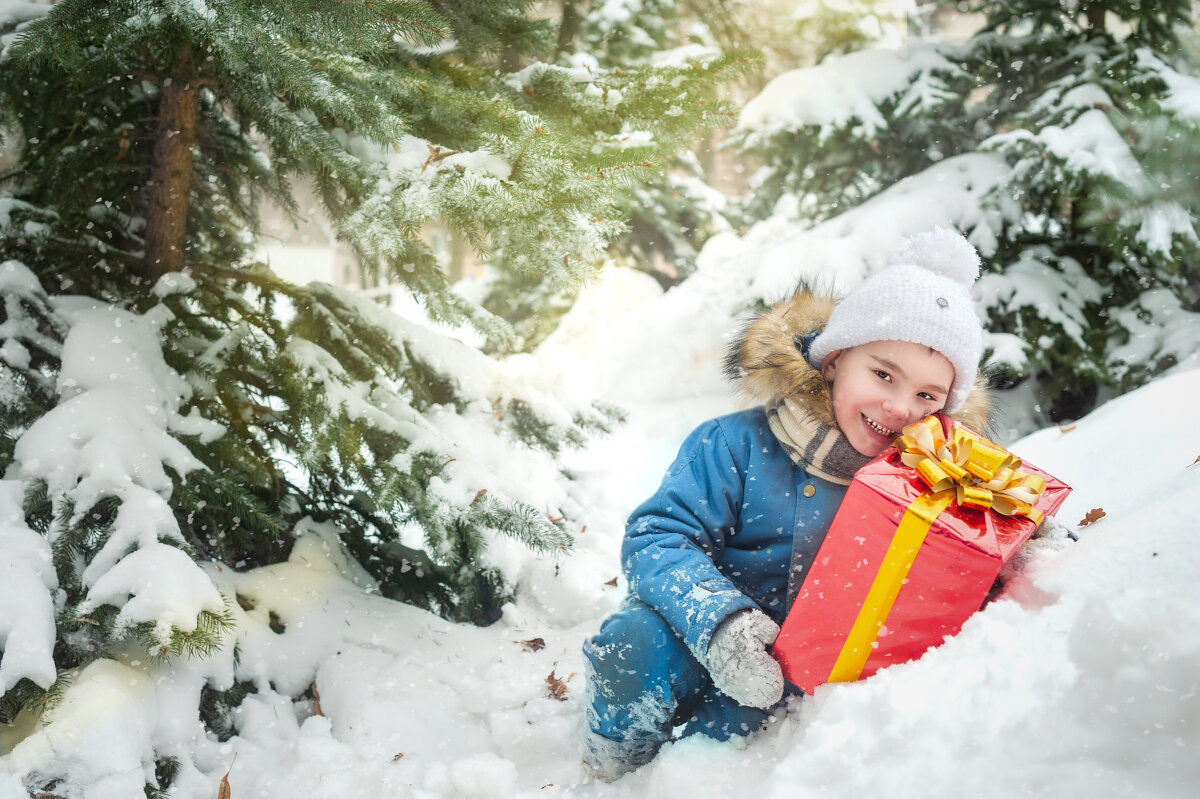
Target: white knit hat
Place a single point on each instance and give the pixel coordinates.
(922, 296)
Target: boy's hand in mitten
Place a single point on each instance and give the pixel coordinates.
(739, 663)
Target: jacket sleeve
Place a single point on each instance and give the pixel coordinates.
(674, 539)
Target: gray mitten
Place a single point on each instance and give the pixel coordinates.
(739, 663)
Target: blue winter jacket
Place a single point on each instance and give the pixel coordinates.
(734, 525)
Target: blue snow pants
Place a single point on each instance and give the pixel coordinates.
(643, 681)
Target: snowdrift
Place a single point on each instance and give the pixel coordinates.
(1079, 681)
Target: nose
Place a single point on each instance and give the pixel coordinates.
(899, 411)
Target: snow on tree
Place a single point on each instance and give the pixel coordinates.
(167, 402)
(672, 214)
(1075, 106)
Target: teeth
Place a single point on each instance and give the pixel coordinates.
(879, 428)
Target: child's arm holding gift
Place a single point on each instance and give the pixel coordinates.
(673, 544)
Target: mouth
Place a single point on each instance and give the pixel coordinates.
(878, 428)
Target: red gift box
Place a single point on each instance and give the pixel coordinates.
(912, 552)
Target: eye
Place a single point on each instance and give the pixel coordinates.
(925, 395)
(882, 375)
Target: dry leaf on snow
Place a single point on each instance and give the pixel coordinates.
(1095, 514)
(556, 687)
(224, 791)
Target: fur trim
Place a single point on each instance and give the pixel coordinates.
(765, 362)
(976, 412)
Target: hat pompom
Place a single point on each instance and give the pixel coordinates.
(942, 251)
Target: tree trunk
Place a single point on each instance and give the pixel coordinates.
(170, 180)
(510, 59)
(1095, 17)
(572, 19)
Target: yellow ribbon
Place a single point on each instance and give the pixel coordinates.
(966, 467)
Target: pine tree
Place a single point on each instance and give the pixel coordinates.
(1083, 112)
(127, 237)
(674, 212)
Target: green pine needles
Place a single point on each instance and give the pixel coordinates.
(672, 211)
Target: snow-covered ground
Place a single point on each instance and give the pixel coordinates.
(1081, 681)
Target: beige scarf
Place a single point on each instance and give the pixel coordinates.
(818, 448)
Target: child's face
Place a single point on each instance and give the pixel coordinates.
(880, 387)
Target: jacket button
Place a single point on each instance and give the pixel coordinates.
(809, 490)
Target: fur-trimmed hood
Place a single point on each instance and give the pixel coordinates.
(766, 362)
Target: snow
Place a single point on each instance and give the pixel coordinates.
(173, 283)
(1066, 96)
(633, 138)
(14, 353)
(1161, 224)
(157, 583)
(583, 68)
(693, 53)
(1090, 144)
(27, 578)
(1158, 326)
(615, 12)
(99, 738)
(1183, 91)
(1080, 680)
(1058, 297)
(113, 434)
(840, 89)
(16, 277)
(16, 11)
(1006, 349)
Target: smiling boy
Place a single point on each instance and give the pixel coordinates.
(715, 558)
(881, 386)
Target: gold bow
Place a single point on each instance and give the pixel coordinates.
(982, 474)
